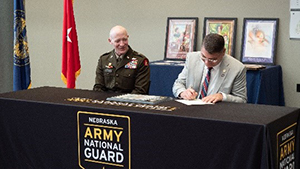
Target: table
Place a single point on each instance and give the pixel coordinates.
(264, 86)
(52, 127)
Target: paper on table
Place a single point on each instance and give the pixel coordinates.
(192, 102)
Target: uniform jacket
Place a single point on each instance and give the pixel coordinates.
(231, 78)
(130, 75)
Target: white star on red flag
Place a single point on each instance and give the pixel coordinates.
(68, 37)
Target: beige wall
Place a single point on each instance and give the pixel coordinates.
(6, 46)
(146, 24)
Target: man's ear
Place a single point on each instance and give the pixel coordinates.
(224, 51)
(109, 40)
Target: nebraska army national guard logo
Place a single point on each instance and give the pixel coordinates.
(103, 140)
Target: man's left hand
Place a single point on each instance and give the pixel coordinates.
(214, 98)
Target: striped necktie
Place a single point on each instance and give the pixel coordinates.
(205, 84)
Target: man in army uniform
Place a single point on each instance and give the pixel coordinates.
(122, 70)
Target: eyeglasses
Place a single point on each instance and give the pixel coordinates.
(208, 59)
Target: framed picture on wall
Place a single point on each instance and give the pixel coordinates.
(225, 27)
(259, 40)
(181, 37)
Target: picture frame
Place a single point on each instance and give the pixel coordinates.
(259, 40)
(181, 37)
(225, 27)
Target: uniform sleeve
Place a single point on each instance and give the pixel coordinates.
(99, 80)
(142, 80)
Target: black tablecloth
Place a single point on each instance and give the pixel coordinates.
(264, 86)
(40, 129)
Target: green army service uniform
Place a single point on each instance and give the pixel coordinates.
(130, 75)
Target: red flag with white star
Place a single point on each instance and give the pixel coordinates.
(70, 53)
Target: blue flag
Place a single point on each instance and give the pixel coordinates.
(21, 77)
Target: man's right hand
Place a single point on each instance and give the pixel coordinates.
(188, 94)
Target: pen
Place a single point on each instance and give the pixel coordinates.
(193, 92)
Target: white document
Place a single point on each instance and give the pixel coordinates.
(295, 24)
(295, 4)
(192, 102)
